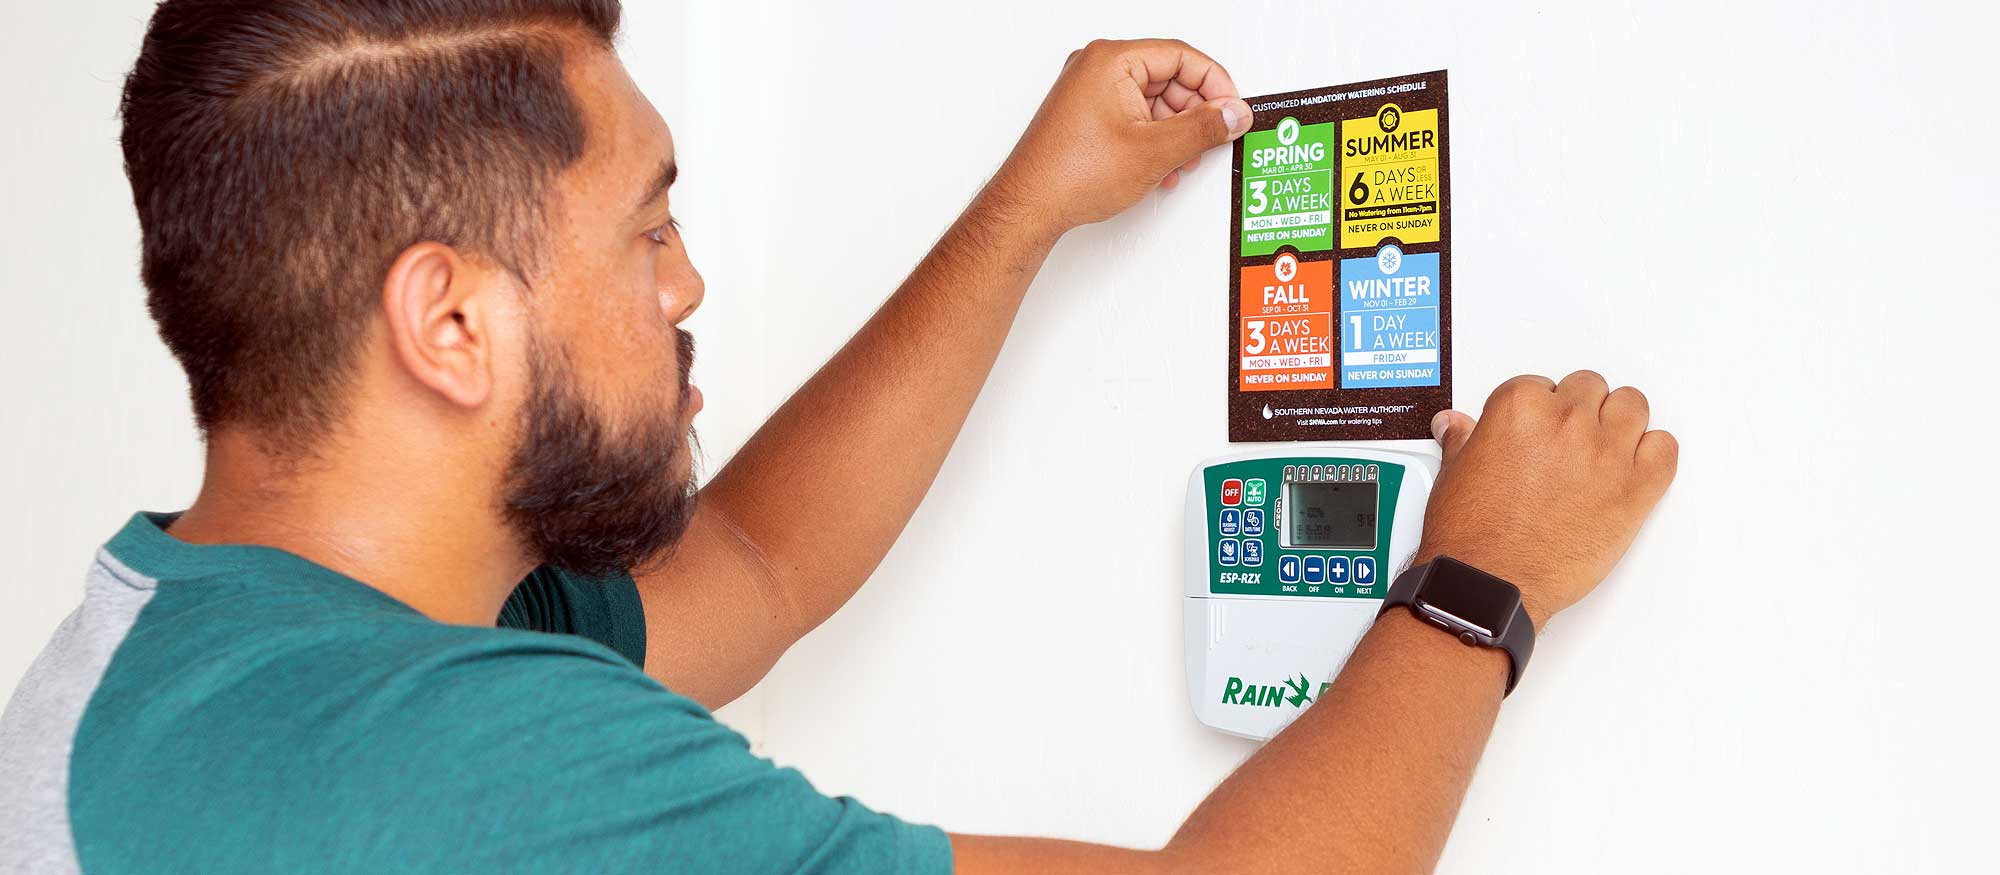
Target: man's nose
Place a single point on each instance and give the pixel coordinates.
(681, 305)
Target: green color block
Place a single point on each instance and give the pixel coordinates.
(1288, 188)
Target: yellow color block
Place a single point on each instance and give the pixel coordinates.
(1389, 177)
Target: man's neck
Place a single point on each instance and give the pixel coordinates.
(419, 536)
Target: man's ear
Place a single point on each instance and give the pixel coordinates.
(441, 317)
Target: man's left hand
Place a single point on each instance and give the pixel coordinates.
(1123, 117)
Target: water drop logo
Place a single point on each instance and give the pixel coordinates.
(1267, 411)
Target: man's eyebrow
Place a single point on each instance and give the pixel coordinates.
(670, 170)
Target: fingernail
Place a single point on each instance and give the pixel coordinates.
(1439, 423)
(1236, 116)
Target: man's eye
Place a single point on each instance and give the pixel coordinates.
(659, 235)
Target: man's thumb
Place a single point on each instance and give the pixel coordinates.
(1199, 128)
(1451, 428)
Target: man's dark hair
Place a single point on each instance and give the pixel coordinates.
(282, 153)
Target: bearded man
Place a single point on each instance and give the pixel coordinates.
(448, 599)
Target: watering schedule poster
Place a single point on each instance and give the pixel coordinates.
(1340, 264)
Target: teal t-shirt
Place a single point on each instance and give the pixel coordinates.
(260, 713)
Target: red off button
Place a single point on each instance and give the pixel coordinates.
(1232, 492)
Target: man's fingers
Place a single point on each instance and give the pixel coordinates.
(1171, 75)
(1179, 97)
(1626, 411)
(1198, 129)
(1659, 456)
(1154, 63)
(1451, 428)
(1584, 389)
(1122, 119)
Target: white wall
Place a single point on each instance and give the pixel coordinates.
(1775, 218)
(96, 422)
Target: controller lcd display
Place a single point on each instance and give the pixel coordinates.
(1331, 515)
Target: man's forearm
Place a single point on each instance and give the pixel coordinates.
(878, 419)
(1370, 777)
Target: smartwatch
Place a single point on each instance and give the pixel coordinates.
(1482, 610)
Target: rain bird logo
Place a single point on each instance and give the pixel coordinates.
(1293, 693)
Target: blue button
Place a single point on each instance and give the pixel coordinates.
(1315, 569)
(1336, 569)
(1229, 521)
(1253, 522)
(1225, 551)
(1288, 569)
(1253, 551)
(1364, 571)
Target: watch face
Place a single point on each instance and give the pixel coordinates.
(1469, 594)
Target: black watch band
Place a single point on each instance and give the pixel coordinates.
(1479, 608)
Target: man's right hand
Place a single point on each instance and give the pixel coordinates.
(1549, 486)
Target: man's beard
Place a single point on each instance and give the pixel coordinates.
(590, 498)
